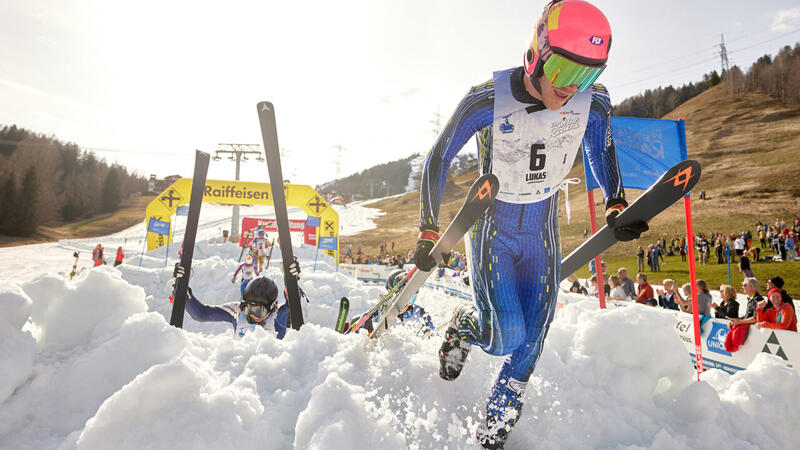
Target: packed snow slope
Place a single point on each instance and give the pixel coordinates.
(93, 363)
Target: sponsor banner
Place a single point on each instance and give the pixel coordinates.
(313, 221)
(646, 148)
(310, 235)
(158, 227)
(270, 225)
(328, 242)
(782, 343)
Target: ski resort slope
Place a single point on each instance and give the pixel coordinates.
(93, 363)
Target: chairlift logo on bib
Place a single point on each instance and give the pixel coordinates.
(716, 339)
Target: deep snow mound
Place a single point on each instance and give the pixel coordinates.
(93, 364)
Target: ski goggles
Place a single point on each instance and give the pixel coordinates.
(563, 72)
(255, 309)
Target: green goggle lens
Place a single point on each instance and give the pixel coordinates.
(562, 72)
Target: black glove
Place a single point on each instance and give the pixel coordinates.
(178, 273)
(428, 237)
(294, 268)
(623, 233)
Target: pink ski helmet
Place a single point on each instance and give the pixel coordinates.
(570, 44)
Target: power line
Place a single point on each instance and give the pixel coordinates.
(764, 42)
(728, 52)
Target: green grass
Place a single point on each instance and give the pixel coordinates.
(714, 274)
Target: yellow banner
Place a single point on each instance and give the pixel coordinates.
(224, 192)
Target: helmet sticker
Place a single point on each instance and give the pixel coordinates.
(596, 40)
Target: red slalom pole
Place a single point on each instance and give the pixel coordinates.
(698, 346)
(598, 265)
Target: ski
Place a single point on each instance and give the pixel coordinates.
(244, 244)
(75, 270)
(480, 196)
(673, 184)
(344, 309)
(269, 256)
(195, 202)
(269, 133)
(382, 302)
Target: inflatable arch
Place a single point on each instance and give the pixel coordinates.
(164, 206)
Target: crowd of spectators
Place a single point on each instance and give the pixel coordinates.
(387, 256)
(776, 311)
(743, 248)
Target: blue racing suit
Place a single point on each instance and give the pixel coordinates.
(231, 313)
(514, 247)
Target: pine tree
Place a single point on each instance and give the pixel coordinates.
(111, 195)
(8, 207)
(28, 218)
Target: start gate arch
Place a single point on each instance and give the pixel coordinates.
(224, 192)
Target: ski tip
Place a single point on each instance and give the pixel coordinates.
(265, 107)
(484, 189)
(683, 176)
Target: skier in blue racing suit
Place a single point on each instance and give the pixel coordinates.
(257, 308)
(529, 122)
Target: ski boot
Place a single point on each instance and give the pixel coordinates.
(503, 412)
(454, 350)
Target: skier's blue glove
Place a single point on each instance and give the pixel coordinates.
(428, 237)
(623, 233)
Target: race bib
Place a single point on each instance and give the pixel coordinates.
(533, 150)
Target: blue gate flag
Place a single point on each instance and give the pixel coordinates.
(313, 221)
(182, 210)
(158, 227)
(646, 148)
(327, 243)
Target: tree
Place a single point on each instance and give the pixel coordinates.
(111, 195)
(714, 79)
(28, 218)
(8, 204)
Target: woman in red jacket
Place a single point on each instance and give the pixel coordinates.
(780, 316)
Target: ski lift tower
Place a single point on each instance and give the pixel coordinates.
(238, 153)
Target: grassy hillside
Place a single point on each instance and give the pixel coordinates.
(129, 214)
(751, 171)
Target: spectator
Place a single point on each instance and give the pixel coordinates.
(750, 287)
(780, 316)
(738, 245)
(666, 296)
(789, 244)
(684, 304)
(640, 259)
(644, 291)
(718, 248)
(683, 251)
(703, 298)
(575, 287)
(626, 283)
(762, 235)
(777, 282)
(97, 255)
(617, 292)
(593, 291)
(120, 257)
(729, 309)
(744, 266)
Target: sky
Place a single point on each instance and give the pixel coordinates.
(144, 84)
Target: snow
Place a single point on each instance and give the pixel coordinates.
(93, 363)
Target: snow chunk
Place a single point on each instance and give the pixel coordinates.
(73, 314)
(15, 305)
